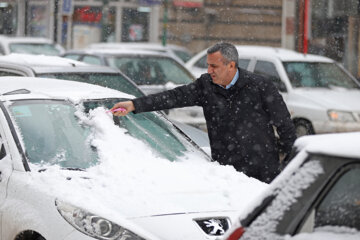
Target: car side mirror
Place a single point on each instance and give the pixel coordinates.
(2, 151)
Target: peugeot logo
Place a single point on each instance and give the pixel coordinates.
(214, 226)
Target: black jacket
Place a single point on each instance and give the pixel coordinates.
(240, 120)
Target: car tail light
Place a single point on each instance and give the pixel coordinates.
(236, 234)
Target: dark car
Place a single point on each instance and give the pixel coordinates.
(317, 195)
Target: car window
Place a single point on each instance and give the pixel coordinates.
(34, 48)
(92, 60)
(6, 73)
(111, 80)
(185, 56)
(72, 56)
(341, 205)
(202, 62)
(2, 148)
(151, 70)
(318, 75)
(2, 51)
(243, 63)
(268, 70)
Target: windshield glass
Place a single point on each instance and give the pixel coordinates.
(34, 48)
(52, 133)
(145, 70)
(110, 80)
(318, 75)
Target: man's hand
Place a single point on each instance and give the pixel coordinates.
(128, 106)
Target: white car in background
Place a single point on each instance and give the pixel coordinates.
(180, 53)
(152, 71)
(70, 170)
(321, 95)
(29, 45)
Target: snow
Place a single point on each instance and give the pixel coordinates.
(133, 181)
(339, 144)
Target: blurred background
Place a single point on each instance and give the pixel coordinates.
(325, 27)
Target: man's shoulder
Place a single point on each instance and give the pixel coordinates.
(255, 80)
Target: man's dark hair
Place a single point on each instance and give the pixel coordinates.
(227, 50)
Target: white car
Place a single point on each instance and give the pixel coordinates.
(71, 170)
(321, 95)
(176, 51)
(316, 197)
(29, 45)
(152, 71)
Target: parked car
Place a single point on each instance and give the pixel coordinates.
(71, 170)
(152, 71)
(29, 45)
(181, 53)
(321, 95)
(317, 196)
(62, 68)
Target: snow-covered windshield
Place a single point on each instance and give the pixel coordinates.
(151, 70)
(57, 132)
(318, 75)
(35, 48)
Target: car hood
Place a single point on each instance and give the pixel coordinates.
(110, 195)
(337, 99)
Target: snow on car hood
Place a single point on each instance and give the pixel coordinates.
(131, 181)
(337, 98)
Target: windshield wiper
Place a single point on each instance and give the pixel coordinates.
(73, 169)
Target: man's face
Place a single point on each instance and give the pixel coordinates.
(220, 72)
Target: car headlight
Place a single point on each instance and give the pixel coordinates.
(341, 116)
(93, 225)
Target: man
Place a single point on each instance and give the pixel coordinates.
(241, 111)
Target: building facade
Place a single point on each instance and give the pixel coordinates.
(325, 27)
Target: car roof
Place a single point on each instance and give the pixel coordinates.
(335, 144)
(114, 52)
(280, 53)
(49, 64)
(15, 88)
(283, 54)
(139, 45)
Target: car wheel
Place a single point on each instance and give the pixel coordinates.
(303, 127)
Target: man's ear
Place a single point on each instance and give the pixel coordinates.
(233, 65)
